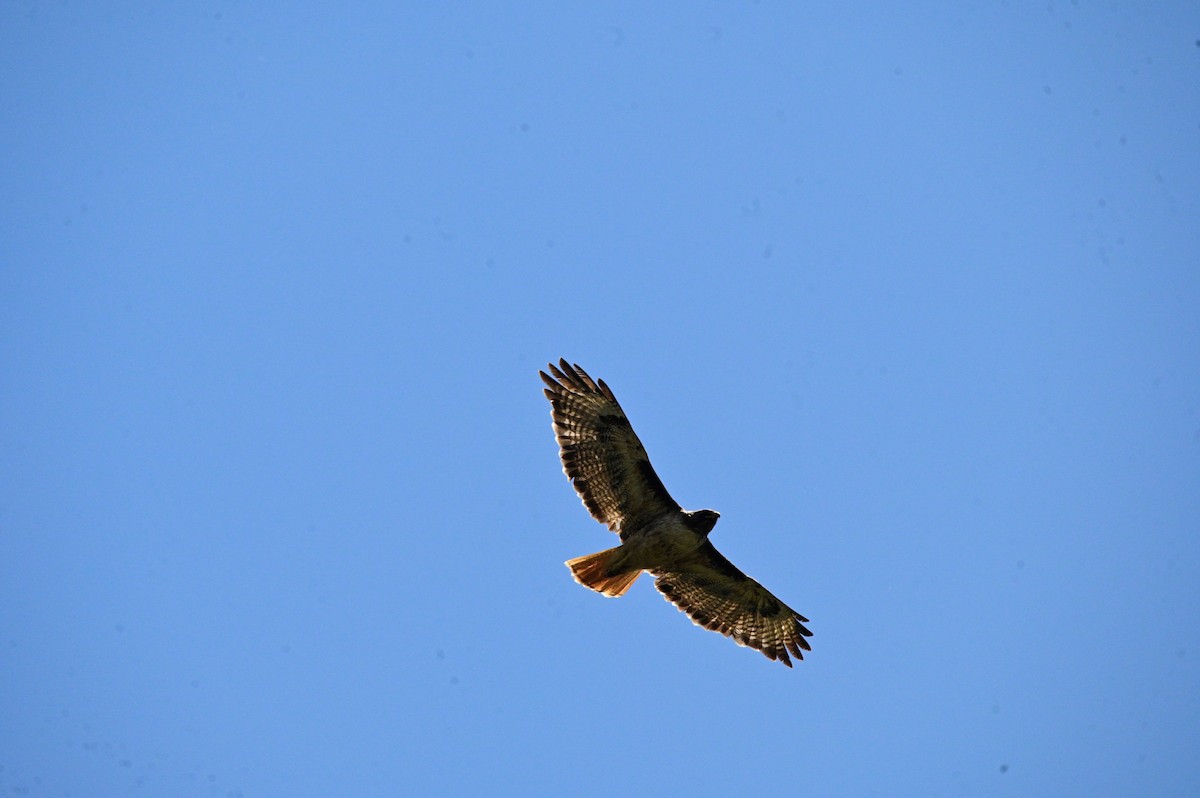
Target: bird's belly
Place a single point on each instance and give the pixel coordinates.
(661, 544)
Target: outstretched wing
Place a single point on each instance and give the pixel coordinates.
(717, 596)
(600, 453)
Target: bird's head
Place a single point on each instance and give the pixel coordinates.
(702, 521)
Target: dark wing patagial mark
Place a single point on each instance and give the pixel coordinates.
(600, 453)
(717, 596)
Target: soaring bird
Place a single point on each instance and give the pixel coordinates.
(609, 468)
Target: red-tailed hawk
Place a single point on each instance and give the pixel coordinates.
(612, 474)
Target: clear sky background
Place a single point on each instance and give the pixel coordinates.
(911, 295)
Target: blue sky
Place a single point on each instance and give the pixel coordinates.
(910, 295)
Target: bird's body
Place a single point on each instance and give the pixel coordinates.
(668, 538)
(609, 468)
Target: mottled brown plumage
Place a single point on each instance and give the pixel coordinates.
(609, 468)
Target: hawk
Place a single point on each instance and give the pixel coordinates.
(609, 468)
